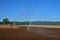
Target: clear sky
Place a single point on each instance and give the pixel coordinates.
(33, 10)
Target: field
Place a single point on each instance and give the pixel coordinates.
(20, 32)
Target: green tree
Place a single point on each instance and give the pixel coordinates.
(5, 21)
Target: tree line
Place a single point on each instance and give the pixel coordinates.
(6, 21)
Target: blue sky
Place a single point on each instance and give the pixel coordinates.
(30, 10)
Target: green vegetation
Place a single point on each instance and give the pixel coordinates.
(6, 22)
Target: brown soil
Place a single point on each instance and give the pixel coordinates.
(22, 34)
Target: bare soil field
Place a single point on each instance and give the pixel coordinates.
(44, 26)
(35, 33)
